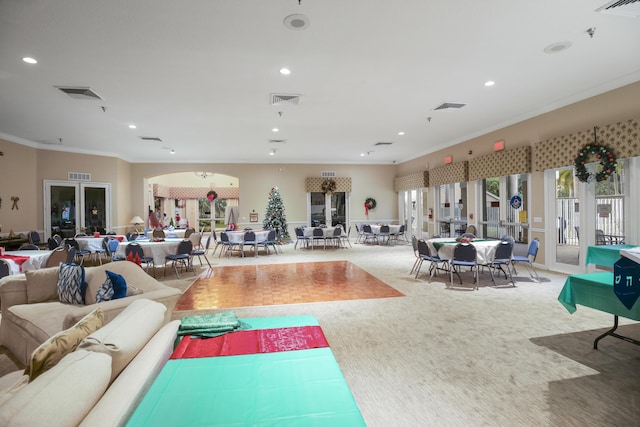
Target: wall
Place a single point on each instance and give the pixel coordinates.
(18, 178)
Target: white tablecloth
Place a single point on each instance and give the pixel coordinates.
(484, 249)
(36, 261)
(237, 237)
(157, 250)
(91, 244)
(178, 232)
(327, 231)
(393, 229)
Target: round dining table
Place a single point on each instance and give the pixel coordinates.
(445, 246)
(156, 250)
(21, 261)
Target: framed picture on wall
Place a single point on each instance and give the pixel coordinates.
(253, 217)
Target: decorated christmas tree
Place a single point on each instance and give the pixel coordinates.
(275, 217)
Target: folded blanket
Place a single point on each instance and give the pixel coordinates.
(210, 325)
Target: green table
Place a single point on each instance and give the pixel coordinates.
(595, 290)
(605, 255)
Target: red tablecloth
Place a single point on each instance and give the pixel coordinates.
(18, 259)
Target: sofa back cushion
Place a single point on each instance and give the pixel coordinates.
(127, 333)
(62, 396)
(133, 275)
(42, 285)
(50, 352)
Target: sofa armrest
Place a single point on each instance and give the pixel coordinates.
(13, 291)
(168, 297)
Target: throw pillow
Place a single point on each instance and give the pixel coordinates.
(42, 284)
(132, 290)
(105, 291)
(50, 352)
(119, 284)
(71, 284)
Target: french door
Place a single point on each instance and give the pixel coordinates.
(328, 209)
(504, 207)
(73, 207)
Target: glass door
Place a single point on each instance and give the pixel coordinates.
(505, 205)
(328, 209)
(72, 207)
(451, 200)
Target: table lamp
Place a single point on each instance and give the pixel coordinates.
(136, 220)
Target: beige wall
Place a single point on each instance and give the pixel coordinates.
(18, 178)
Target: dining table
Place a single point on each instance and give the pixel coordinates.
(444, 247)
(605, 255)
(236, 238)
(328, 233)
(157, 250)
(174, 233)
(21, 261)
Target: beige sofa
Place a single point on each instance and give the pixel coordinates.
(31, 312)
(102, 381)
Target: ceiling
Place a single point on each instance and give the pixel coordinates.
(199, 75)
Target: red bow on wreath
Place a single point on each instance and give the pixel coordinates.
(366, 208)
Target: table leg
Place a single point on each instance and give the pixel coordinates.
(611, 332)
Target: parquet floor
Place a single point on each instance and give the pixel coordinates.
(275, 284)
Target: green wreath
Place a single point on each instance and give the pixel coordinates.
(329, 186)
(371, 202)
(602, 152)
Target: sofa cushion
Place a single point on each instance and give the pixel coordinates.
(63, 395)
(42, 285)
(71, 284)
(127, 333)
(119, 284)
(50, 352)
(11, 383)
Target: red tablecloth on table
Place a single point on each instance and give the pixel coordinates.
(18, 259)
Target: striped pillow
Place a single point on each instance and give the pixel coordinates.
(71, 284)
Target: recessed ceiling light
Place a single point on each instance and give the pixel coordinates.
(285, 71)
(172, 151)
(362, 154)
(272, 152)
(132, 126)
(296, 21)
(275, 130)
(489, 83)
(557, 47)
(29, 60)
(400, 133)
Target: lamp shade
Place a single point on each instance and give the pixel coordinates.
(136, 220)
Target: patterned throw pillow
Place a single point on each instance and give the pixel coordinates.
(105, 291)
(71, 284)
(119, 284)
(50, 352)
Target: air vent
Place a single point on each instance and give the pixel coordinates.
(283, 98)
(449, 106)
(328, 174)
(151, 138)
(377, 144)
(277, 141)
(79, 92)
(630, 8)
(57, 141)
(79, 176)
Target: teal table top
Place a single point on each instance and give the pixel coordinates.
(595, 290)
(605, 255)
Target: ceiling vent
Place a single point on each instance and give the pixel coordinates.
(378, 144)
(277, 141)
(284, 98)
(79, 92)
(328, 174)
(449, 106)
(630, 8)
(151, 138)
(57, 141)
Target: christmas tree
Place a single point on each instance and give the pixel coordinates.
(275, 217)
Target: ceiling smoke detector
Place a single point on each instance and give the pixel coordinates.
(296, 22)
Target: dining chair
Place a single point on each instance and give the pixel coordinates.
(134, 251)
(34, 239)
(368, 234)
(28, 247)
(501, 261)
(318, 234)
(471, 229)
(200, 251)
(414, 243)
(345, 237)
(384, 234)
(336, 236)
(464, 255)
(528, 260)
(5, 270)
(270, 241)
(300, 237)
(217, 242)
(225, 244)
(182, 257)
(112, 248)
(188, 232)
(360, 235)
(59, 254)
(80, 253)
(158, 234)
(425, 254)
(249, 239)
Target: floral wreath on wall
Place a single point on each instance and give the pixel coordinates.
(370, 203)
(212, 195)
(329, 186)
(602, 152)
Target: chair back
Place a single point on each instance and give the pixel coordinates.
(196, 240)
(271, 237)
(28, 247)
(318, 232)
(52, 243)
(60, 254)
(250, 236)
(600, 238)
(508, 238)
(337, 232)
(184, 247)
(465, 252)
(113, 245)
(299, 232)
(468, 235)
(71, 254)
(504, 251)
(73, 243)
(471, 229)
(189, 232)
(134, 249)
(366, 228)
(401, 229)
(34, 237)
(533, 249)
(423, 248)
(414, 243)
(57, 238)
(206, 246)
(159, 234)
(4, 268)
(384, 229)
(105, 246)
(132, 236)
(224, 237)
